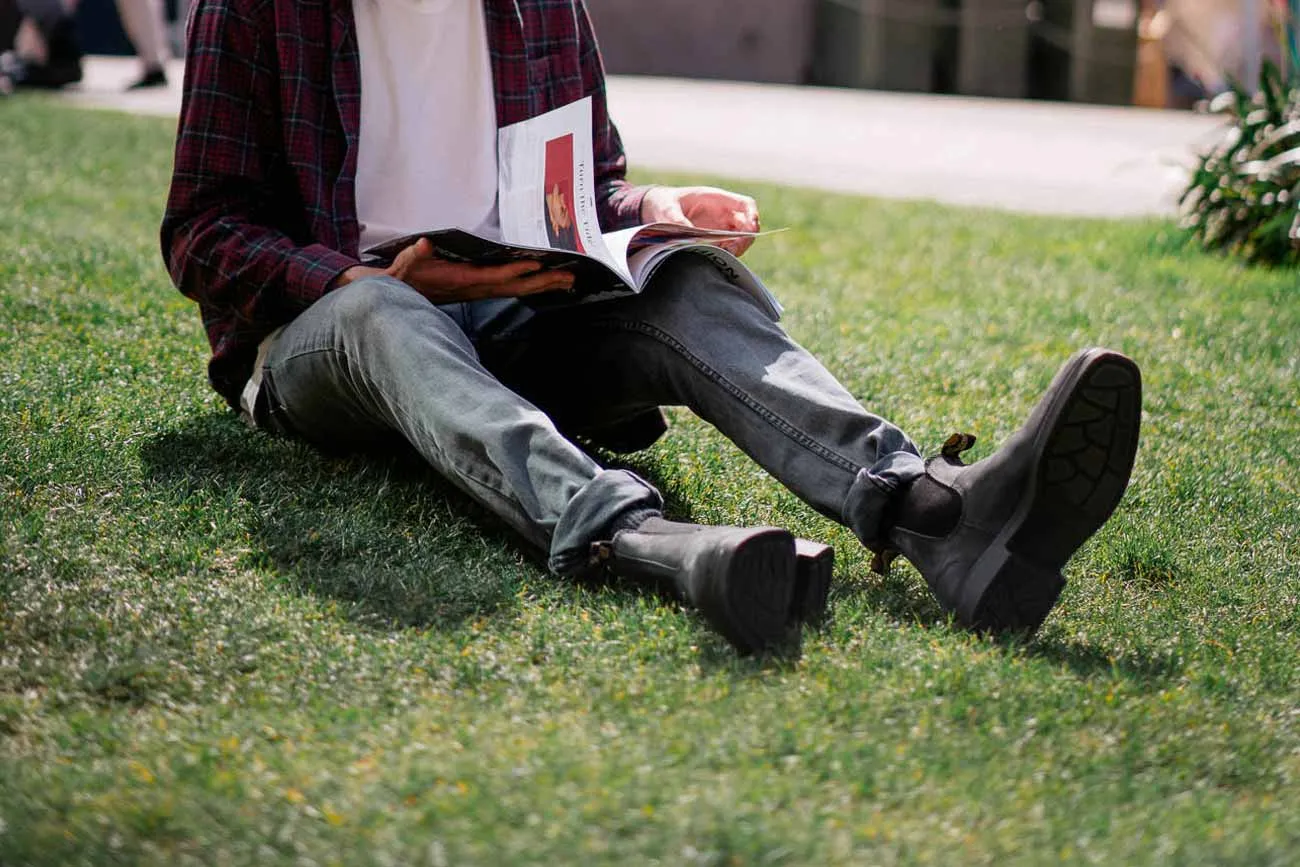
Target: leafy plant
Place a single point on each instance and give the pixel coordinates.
(1244, 196)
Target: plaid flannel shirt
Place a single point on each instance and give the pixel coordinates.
(261, 217)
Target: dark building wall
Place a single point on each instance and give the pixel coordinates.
(973, 47)
(749, 40)
(8, 23)
(99, 28)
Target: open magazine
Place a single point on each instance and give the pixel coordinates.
(547, 208)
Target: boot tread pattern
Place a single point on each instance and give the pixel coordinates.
(759, 586)
(1083, 473)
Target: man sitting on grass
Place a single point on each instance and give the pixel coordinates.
(312, 130)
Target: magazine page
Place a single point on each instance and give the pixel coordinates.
(618, 244)
(660, 233)
(624, 244)
(546, 180)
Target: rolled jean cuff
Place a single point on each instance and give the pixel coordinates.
(872, 492)
(614, 500)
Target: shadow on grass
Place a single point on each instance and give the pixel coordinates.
(380, 532)
(716, 654)
(400, 547)
(903, 596)
(1144, 671)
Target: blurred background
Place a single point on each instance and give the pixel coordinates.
(1119, 52)
(1153, 53)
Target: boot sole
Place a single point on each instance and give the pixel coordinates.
(814, 568)
(1085, 451)
(757, 581)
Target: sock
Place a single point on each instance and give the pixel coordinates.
(630, 521)
(576, 564)
(928, 508)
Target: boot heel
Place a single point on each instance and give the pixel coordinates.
(740, 580)
(759, 584)
(1015, 595)
(814, 567)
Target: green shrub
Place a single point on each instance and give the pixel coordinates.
(1244, 196)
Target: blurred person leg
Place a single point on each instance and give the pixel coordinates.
(1151, 85)
(146, 25)
(47, 52)
(10, 19)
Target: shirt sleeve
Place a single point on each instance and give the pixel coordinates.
(618, 203)
(227, 236)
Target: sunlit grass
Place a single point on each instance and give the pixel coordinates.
(218, 647)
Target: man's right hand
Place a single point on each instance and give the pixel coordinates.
(444, 282)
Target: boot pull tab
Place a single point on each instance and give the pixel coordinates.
(957, 445)
(600, 554)
(882, 561)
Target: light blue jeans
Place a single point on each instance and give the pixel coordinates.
(490, 392)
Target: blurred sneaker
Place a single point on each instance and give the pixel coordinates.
(153, 77)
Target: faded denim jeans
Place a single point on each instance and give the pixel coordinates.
(487, 391)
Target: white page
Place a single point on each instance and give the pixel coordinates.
(617, 244)
(546, 179)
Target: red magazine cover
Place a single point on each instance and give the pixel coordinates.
(558, 175)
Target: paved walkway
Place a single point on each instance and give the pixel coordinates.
(1032, 157)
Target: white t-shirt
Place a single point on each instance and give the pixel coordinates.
(428, 152)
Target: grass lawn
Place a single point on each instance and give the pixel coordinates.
(217, 647)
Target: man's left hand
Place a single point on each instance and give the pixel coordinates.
(705, 208)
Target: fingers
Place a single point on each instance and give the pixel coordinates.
(742, 211)
(744, 219)
(460, 275)
(441, 281)
(547, 281)
(673, 213)
(409, 258)
(706, 207)
(749, 215)
(713, 208)
(453, 281)
(478, 275)
(664, 205)
(416, 264)
(737, 247)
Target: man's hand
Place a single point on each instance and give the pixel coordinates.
(444, 282)
(704, 207)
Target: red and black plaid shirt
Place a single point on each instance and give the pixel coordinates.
(261, 218)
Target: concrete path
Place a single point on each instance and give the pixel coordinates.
(105, 79)
(1031, 157)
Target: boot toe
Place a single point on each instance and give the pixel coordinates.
(1000, 569)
